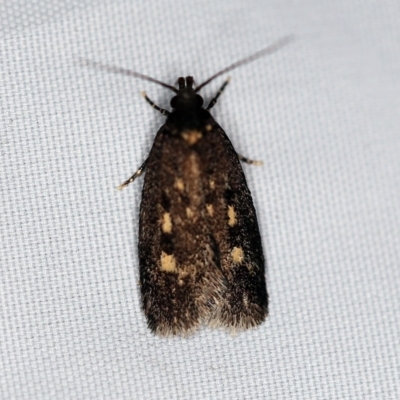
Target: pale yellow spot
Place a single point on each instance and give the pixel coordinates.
(210, 209)
(182, 274)
(179, 184)
(168, 262)
(192, 137)
(208, 127)
(193, 168)
(167, 223)
(237, 255)
(232, 216)
(189, 212)
(212, 184)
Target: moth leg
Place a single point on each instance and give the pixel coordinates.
(248, 161)
(215, 99)
(133, 177)
(161, 110)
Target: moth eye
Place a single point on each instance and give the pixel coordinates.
(199, 100)
(173, 101)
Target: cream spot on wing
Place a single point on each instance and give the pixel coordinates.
(182, 275)
(208, 127)
(192, 136)
(179, 184)
(210, 209)
(189, 212)
(193, 168)
(167, 223)
(212, 184)
(237, 255)
(168, 262)
(232, 216)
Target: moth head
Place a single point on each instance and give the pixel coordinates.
(186, 96)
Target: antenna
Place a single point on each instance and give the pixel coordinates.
(127, 72)
(268, 50)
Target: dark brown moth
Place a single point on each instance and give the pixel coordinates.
(200, 252)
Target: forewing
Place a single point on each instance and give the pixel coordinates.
(180, 275)
(235, 229)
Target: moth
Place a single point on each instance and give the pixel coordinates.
(200, 253)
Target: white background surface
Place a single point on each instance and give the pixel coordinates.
(323, 115)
